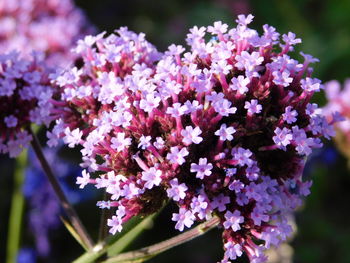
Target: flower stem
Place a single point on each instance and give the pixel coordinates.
(146, 253)
(103, 231)
(68, 208)
(17, 207)
(115, 244)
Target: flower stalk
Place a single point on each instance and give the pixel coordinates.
(17, 208)
(68, 208)
(103, 231)
(146, 253)
(111, 246)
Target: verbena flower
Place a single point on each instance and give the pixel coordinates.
(49, 26)
(25, 91)
(338, 101)
(222, 130)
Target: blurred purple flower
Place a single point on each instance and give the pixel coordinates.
(339, 102)
(26, 255)
(25, 91)
(49, 26)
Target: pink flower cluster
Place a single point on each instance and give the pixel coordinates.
(339, 101)
(25, 90)
(222, 130)
(49, 26)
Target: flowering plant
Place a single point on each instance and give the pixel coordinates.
(222, 130)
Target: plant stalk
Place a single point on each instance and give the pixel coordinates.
(17, 208)
(145, 253)
(68, 208)
(103, 231)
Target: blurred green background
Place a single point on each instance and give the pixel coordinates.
(323, 222)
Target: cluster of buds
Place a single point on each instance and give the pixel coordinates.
(222, 130)
(25, 90)
(338, 101)
(49, 26)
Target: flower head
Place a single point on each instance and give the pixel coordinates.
(51, 27)
(25, 91)
(221, 130)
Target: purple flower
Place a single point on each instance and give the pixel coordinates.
(225, 133)
(248, 61)
(303, 144)
(145, 141)
(240, 84)
(152, 177)
(242, 156)
(290, 39)
(177, 191)
(290, 115)
(150, 102)
(282, 137)
(202, 168)
(72, 138)
(11, 121)
(23, 100)
(177, 110)
(311, 85)
(258, 217)
(233, 220)
(223, 107)
(120, 142)
(191, 135)
(26, 255)
(183, 218)
(177, 157)
(51, 27)
(196, 34)
(253, 107)
(159, 143)
(233, 250)
(218, 28)
(220, 202)
(209, 127)
(338, 104)
(116, 224)
(199, 205)
(236, 186)
(282, 78)
(244, 20)
(83, 180)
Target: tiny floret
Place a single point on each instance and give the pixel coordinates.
(202, 168)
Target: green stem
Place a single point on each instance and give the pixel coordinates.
(123, 242)
(17, 208)
(146, 253)
(112, 247)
